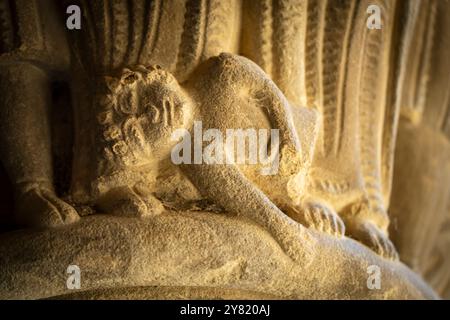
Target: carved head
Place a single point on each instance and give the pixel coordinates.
(141, 110)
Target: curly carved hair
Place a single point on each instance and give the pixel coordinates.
(121, 114)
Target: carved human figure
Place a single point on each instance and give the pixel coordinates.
(109, 143)
(142, 107)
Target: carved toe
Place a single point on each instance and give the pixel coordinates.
(318, 216)
(369, 234)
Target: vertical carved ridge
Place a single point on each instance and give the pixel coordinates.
(371, 103)
(411, 72)
(257, 38)
(137, 10)
(443, 25)
(92, 36)
(392, 112)
(425, 66)
(266, 27)
(312, 48)
(29, 22)
(7, 29)
(120, 32)
(338, 21)
(151, 29)
(287, 32)
(446, 122)
(218, 27)
(109, 14)
(101, 10)
(193, 37)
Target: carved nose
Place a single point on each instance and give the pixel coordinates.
(169, 110)
(154, 112)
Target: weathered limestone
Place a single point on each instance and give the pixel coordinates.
(135, 254)
(362, 149)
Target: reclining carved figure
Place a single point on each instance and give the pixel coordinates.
(226, 92)
(119, 140)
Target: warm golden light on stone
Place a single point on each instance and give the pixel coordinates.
(240, 149)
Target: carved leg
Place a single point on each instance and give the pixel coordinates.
(25, 146)
(243, 198)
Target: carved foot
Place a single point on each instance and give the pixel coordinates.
(39, 206)
(318, 216)
(368, 232)
(130, 203)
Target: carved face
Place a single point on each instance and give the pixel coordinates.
(164, 108)
(147, 105)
